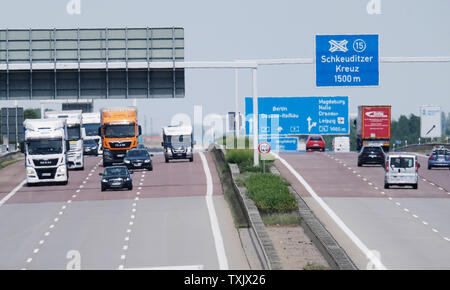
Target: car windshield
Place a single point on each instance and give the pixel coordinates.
(138, 153)
(180, 140)
(372, 149)
(91, 129)
(315, 138)
(402, 162)
(45, 146)
(120, 131)
(90, 142)
(115, 171)
(73, 133)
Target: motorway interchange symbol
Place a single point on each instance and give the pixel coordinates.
(338, 45)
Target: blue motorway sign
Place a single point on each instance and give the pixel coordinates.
(299, 115)
(281, 144)
(347, 60)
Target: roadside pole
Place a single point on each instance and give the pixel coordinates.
(255, 118)
(236, 103)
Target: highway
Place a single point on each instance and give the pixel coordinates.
(404, 228)
(175, 217)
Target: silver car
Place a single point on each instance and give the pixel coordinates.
(402, 170)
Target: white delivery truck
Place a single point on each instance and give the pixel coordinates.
(178, 143)
(91, 123)
(45, 149)
(341, 144)
(75, 135)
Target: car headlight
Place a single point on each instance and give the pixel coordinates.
(126, 161)
(30, 171)
(147, 161)
(61, 170)
(104, 180)
(127, 179)
(189, 150)
(169, 150)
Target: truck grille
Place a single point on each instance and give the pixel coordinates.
(120, 144)
(45, 162)
(46, 173)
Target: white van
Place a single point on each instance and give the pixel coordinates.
(402, 170)
(341, 144)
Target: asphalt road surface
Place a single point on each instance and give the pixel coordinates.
(404, 228)
(175, 218)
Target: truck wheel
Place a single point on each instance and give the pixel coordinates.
(359, 164)
(415, 186)
(386, 186)
(429, 167)
(103, 188)
(65, 182)
(167, 160)
(191, 159)
(130, 188)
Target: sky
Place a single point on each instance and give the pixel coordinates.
(260, 29)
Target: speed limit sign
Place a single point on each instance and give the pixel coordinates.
(264, 148)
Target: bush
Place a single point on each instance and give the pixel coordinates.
(240, 156)
(270, 193)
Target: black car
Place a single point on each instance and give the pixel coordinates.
(116, 177)
(138, 158)
(90, 147)
(371, 155)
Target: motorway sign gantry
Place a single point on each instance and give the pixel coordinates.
(347, 60)
(299, 116)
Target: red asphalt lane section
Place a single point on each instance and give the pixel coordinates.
(329, 178)
(174, 179)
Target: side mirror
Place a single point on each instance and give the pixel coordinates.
(100, 131)
(162, 144)
(418, 165)
(428, 154)
(83, 133)
(67, 145)
(131, 171)
(101, 174)
(22, 147)
(140, 130)
(151, 155)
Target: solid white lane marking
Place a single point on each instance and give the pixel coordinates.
(218, 241)
(9, 195)
(369, 254)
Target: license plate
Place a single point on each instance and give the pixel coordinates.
(115, 183)
(137, 164)
(120, 155)
(441, 160)
(46, 174)
(316, 145)
(372, 156)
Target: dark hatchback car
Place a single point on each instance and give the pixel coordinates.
(138, 159)
(371, 155)
(116, 177)
(90, 147)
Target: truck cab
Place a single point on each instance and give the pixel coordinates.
(45, 149)
(119, 131)
(178, 143)
(75, 135)
(91, 123)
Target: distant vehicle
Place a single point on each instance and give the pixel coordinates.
(439, 157)
(315, 142)
(91, 123)
(45, 149)
(75, 134)
(373, 127)
(341, 144)
(178, 143)
(371, 155)
(402, 170)
(138, 158)
(116, 177)
(119, 130)
(90, 147)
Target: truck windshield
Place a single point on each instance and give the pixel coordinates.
(74, 133)
(180, 140)
(119, 131)
(44, 146)
(91, 129)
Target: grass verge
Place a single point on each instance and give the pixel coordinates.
(8, 162)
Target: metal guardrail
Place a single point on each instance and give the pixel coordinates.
(10, 155)
(426, 146)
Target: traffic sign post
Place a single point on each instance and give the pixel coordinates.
(299, 116)
(347, 60)
(263, 149)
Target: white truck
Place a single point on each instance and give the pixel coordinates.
(45, 149)
(75, 134)
(91, 123)
(178, 143)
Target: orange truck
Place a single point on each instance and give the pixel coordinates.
(119, 131)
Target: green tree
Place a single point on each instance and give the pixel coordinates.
(32, 114)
